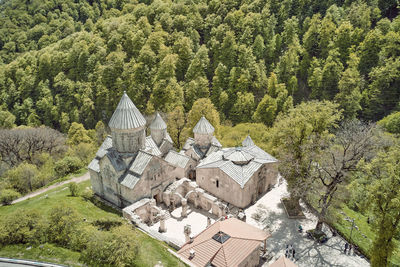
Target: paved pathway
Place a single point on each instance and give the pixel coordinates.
(78, 179)
(284, 231)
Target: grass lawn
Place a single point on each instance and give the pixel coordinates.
(364, 243)
(46, 253)
(150, 250)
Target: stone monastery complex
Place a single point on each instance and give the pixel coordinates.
(130, 167)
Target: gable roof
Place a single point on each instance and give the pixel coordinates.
(151, 147)
(140, 163)
(177, 159)
(105, 146)
(126, 115)
(203, 126)
(243, 240)
(158, 123)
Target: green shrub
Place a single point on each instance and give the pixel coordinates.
(7, 196)
(73, 189)
(63, 222)
(116, 248)
(67, 165)
(22, 227)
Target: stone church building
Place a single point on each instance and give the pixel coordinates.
(130, 166)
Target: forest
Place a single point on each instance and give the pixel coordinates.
(315, 83)
(70, 61)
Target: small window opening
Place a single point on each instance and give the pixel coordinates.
(217, 183)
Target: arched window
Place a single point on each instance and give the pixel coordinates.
(217, 183)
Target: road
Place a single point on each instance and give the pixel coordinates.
(78, 179)
(6, 262)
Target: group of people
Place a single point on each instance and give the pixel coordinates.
(347, 248)
(290, 252)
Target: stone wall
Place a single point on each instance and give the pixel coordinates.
(218, 183)
(158, 135)
(203, 140)
(128, 141)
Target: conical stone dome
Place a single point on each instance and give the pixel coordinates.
(158, 123)
(126, 115)
(248, 141)
(203, 127)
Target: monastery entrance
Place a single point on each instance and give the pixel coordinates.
(260, 187)
(157, 195)
(192, 175)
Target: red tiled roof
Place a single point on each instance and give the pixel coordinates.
(244, 239)
(283, 262)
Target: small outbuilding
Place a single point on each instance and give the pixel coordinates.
(226, 243)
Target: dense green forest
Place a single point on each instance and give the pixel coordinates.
(69, 61)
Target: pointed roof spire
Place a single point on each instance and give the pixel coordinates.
(126, 115)
(158, 123)
(203, 127)
(248, 141)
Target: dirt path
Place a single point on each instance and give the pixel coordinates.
(78, 179)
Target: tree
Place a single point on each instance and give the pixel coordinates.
(23, 177)
(101, 132)
(176, 124)
(349, 95)
(118, 248)
(7, 119)
(22, 227)
(338, 159)
(219, 83)
(7, 196)
(243, 108)
(391, 123)
(294, 139)
(194, 90)
(383, 194)
(78, 134)
(63, 221)
(73, 189)
(266, 110)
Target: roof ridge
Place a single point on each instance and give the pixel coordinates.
(215, 223)
(223, 251)
(242, 238)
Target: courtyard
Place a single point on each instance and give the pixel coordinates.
(268, 213)
(196, 218)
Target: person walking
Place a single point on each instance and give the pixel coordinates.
(294, 252)
(287, 251)
(346, 246)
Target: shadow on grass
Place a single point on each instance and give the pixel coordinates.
(102, 204)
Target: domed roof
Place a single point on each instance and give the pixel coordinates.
(248, 141)
(238, 156)
(126, 115)
(158, 123)
(203, 127)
